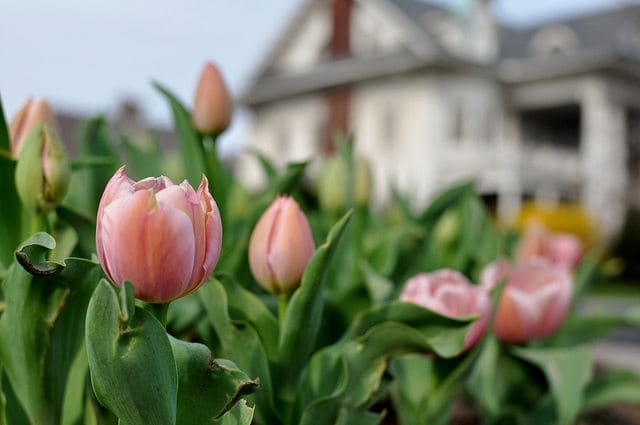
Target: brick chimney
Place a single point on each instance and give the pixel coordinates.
(339, 47)
(341, 18)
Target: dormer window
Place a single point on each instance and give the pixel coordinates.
(553, 39)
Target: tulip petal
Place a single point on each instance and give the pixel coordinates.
(290, 245)
(119, 185)
(148, 244)
(213, 230)
(184, 198)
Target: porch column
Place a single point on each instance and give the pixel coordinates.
(604, 157)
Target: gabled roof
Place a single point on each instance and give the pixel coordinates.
(418, 47)
(612, 29)
(606, 39)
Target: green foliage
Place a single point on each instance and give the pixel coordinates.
(41, 329)
(129, 353)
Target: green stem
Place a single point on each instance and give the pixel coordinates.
(283, 302)
(159, 311)
(217, 173)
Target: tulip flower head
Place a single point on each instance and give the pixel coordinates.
(449, 293)
(561, 249)
(534, 303)
(212, 108)
(162, 237)
(31, 115)
(281, 246)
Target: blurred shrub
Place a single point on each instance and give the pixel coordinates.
(562, 218)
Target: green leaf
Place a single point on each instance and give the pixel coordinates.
(612, 387)
(32, 255)
(289, 180)
(568, 371)
(240, 341)
(365, 360)
(424, 388)
(133, 370)
(379, 287)
(42, 326)
(74, 396)
(585, 329)
(444, 201)
(486, 380)
(88, 183)
(5, 143)
(360, 416)
(246, 307)
(267, 166)
(302, 319)
(413, 383)
(84, 225)
(207, 388)
(191, 149)
(142, 162)
(445, 335)
(240, 414)
(11, 212)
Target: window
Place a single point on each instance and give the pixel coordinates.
(389, 124)
(458, 124)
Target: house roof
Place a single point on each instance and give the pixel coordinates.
(603, 40)
(617, 30)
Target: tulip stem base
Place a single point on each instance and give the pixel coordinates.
(283, 302)
(159, 311)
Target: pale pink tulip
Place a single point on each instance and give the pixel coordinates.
(32, 114)
(281, 246)
(450, 294)
(212, 107)
(163, 238)
(534, 303)
(561, 249)
(494, 273)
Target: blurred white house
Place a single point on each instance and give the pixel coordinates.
(434, 96)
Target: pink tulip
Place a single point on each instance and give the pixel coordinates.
(450, 294)
(212, 108)
(494, 273)
(163, 238)
(562, 249)
(534, 303)
(281, 246)
(31, 115)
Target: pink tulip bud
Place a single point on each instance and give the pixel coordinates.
(450, 294)
(563, 250)
(281, 246)
(212, 107)
(32, 114)
(163, 238)
(534, 303)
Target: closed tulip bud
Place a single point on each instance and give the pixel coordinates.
(447, 228)
(212, 107)
(534, 302)
(281, 246)
(333, 185)
(449, 293)
(162, 237)
(43, 171)
(30, 116)
(362, 181)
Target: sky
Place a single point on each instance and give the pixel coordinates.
(88, 55)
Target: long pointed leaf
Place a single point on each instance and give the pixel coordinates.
(302, 319)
